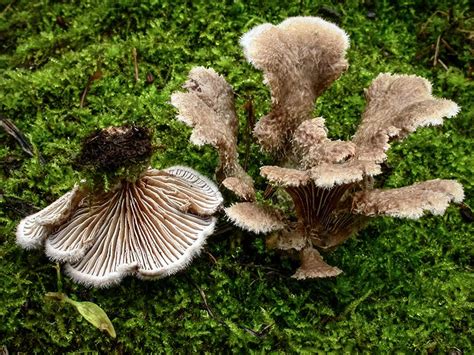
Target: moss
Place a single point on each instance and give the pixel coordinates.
(406, 284)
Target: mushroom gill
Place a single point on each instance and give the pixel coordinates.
(152, 228)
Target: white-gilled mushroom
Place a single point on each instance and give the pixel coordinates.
(152, 227)
(33, 230)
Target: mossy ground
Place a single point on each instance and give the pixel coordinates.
(407, 285)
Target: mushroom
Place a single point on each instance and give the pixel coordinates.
(330, 182)
(150, 228)
(313, 266)
(332, 185)
(300, 58)
(208, 107)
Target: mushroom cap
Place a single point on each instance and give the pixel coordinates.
(32, 230)
(396, 106)
(409, 201)
(208, 107)
(152, 228)
(300, 58)
(313, 266)
(285, 176)
(254, 217)
(241, 186)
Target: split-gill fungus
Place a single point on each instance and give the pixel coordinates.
(330, 182)
(208, 106)
(150, 227)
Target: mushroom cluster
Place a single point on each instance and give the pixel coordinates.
(331, 182)
(151, 227)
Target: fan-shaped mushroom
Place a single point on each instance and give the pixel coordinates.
(330, 182)
(208, 107)
(151, 228)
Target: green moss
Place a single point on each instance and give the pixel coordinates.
(406, 284)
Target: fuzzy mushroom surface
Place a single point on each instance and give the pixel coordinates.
(150, 228)
(321, 191)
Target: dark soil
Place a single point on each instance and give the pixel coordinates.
(113, 148)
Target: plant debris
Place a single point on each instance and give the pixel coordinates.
(112, 148)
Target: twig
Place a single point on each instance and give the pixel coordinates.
(435, 60)
(7, 8)
(423, 27)
(214, 260)
(446, 44)
(204, 299)
(13, 131)
(250, 122)
(135, 63)
(21, 139)
(96, 76)
(84, 94)
(442, 64)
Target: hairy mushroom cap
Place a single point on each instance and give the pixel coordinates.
(312, 147)
(285, 176)
(152, 228)
(241, 186)
(309, 133)
(33, 230)
(328, 175)
(313, 266)
(300, 58)
(409, 201)
(255, 218)
(396, 106)
(208, 107)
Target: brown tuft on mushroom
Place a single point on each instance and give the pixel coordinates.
(208, 107)
(150, 228)
(111, 148)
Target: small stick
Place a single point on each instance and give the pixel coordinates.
(135, 63)
(84, 94)
(7, 8)
(204, 300)
(24, 143)
(214, 260)
(13, 131)
(248, 107)
(442, 64)
(96, 76)
(446, 44)
(435, 60)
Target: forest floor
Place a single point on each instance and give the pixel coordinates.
(407, 285)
